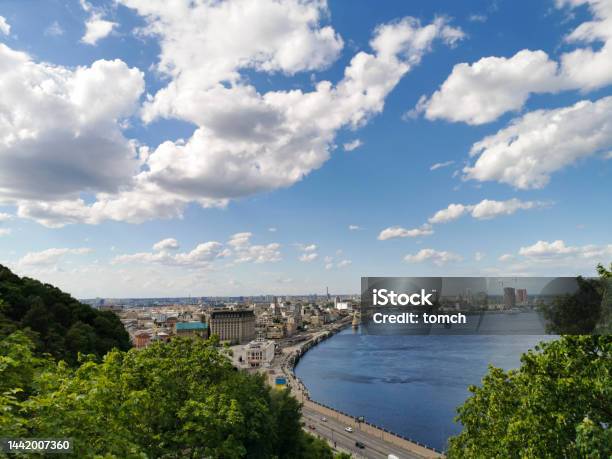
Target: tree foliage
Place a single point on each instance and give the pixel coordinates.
(177, 399)
(588, 310)
(57, 323)
(557, 404)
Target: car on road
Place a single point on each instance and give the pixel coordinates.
(324, 419)
(348, 429)
(359, 445)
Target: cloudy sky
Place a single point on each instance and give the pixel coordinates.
(161, 148)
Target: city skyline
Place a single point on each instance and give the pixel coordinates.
(287, 147)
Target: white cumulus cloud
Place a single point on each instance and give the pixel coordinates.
(49, 257)
(60, 129)
(166, 244)
(201, 256)
(452, 212)
(96, 27)
(245, 252)
(397, 231)
(437, 257)
(558, 249)
(484, 210)
(482, 91)
(532, 147)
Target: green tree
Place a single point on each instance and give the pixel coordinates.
(18, 369)
(314, 448)
(576, 313)
(288, 425)
(57, 323)
(587, 310)
(177, 399)
(604, 326)
(557, 404)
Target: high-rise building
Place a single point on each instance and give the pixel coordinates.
(521, 296)
(275, 308)
(509, 297)
(235, 326)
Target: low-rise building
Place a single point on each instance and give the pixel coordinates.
(191, 329)
(317, 320)
(343, 306)
(275, 332)
(258, 353)
(142, 339)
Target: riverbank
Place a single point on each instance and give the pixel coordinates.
(332, 423)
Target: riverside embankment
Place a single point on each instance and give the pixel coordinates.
(332, 424)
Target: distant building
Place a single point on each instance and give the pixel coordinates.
(162, 336)
(343, 306)
(142, 339)
(275, 332)
(509, 297)
(291, 326)
(191, 329)
(275, 309)
(235, 326)
(521, 296)
(317, 320)
(171, 321)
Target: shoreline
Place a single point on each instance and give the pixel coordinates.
(302, 394)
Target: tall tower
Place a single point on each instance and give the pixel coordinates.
(509, 297)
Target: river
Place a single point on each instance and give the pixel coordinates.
(410, 385)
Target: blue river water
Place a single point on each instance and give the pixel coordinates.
(410, 385)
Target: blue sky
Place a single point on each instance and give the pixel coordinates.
(207, 128)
